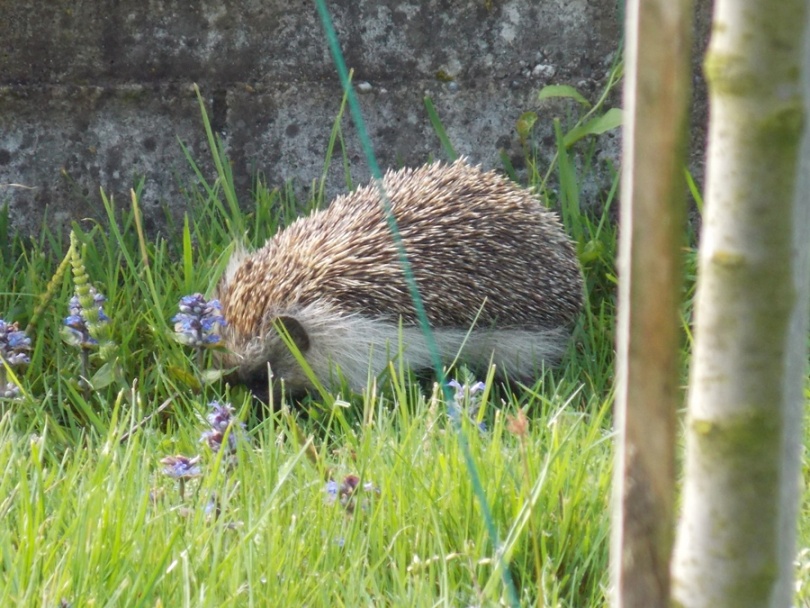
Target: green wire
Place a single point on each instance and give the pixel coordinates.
(365, 142)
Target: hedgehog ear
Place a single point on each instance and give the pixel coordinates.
(296, 331)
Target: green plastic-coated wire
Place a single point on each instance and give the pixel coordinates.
(365, 142)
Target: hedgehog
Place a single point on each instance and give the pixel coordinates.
(498, 276)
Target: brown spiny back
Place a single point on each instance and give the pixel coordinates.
(470, 235)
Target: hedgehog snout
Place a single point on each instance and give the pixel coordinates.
(257, 381)
(269, 357)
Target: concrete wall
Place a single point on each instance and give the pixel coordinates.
(96, 94)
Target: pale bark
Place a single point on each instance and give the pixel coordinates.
(735, 541)
(656, 101)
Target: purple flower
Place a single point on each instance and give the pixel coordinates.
(181, 467)
(221, 418)
(10, 391)
(212, 507)
(77, 330)
(472, 389)
(14, 348)
(466, 393)
(346, 490)
(196, 323)
(14, 344)
(221, 415)
(331, 490)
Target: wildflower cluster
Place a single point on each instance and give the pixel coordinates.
(465, 395)
(181, 468)
(84, 321)
(14, 344)
(224, 433)
(196, 323)
(14, 348)
(345, 492)
(226, 430)
(86, 328)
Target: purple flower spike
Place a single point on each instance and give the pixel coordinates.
(14, 348)
(198, 320)
(466, 392)
(14, 344)
(221, 417)
(77, 331)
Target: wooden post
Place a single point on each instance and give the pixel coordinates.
(657, 94)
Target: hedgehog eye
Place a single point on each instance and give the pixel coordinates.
(296, 331)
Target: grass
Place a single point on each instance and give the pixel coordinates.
(99, 525)
(90, 518)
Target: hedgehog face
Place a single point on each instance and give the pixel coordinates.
(270, 354)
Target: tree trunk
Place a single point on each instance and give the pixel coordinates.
(735, 541)
(657, 87)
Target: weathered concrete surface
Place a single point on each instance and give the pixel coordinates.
(96, 97)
